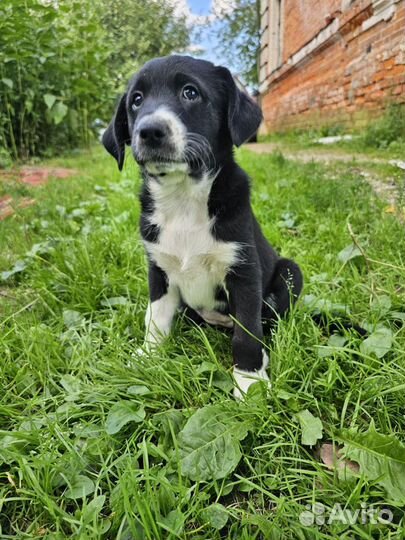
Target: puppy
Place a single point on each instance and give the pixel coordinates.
(181, 117)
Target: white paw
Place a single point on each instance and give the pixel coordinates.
(147, 348)
(244, 379)
(143, 351)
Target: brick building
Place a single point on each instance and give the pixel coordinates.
(330, 61)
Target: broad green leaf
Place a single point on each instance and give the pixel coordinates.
(49, 100)
(14, 438)
(115, 301)
(283, 394)
(93, 509)
(59, 111)
(205, 367)
(336, 340)
(381, 304)
(335, 344)
(41, 248)
(80, 487)
(18, 267)
(319, 278)
(138, 390)
(322, 304)
(72, 386)
(311, 427)
(223, 381)
(381, 459)
(378, 343)
(72, 318)
(209, 444)
(216, 515)
(78, 213)
(8, 82)
(288, 221)
(170, 423)
(123, 217)
(348, 253)
(173, 522)
(121, 414)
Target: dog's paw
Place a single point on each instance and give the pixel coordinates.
(244, 379)
(141, 352)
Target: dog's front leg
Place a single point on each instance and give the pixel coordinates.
(164, 299)
(249, 357)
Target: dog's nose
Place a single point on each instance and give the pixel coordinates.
(153, 134)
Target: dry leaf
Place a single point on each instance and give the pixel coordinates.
(331, 456)
(11, 480)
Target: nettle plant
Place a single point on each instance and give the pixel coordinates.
(53, 74)
(62, 63)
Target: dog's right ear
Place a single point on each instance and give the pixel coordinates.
(116, 136)
(244, 115)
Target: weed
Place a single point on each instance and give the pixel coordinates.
(97, 441)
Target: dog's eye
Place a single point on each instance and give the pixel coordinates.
(137, 100)
(190, 92)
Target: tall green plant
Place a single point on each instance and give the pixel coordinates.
(239, 37)
(139, 30)
(387, 129)
(58, 62)
(52, 62)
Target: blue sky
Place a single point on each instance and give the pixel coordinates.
(205, 36)
(201, 7)
(206, 39)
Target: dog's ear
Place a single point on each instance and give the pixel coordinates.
(244, 115)
(117, 134)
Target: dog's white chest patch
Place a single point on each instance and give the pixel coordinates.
(186, 250)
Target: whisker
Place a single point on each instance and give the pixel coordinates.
(199, 149)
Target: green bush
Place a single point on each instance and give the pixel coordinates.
(53, 74)
(388, 129)
(62, 64)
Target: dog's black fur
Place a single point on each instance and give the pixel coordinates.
(260, 285)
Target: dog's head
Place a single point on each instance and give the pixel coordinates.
(180, 112)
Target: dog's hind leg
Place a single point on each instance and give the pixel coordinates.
(282, 290)
(249, 357)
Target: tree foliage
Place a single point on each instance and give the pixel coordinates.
(62, 63)
(239, 36)
(139, 30)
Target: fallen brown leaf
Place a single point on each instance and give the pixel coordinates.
(11, 480)
(330, 454)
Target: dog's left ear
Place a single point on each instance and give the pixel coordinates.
(117, 133)
(244, 115)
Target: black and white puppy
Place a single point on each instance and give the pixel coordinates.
(181, 116)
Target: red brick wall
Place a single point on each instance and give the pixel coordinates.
(348, 79)
(303, 20)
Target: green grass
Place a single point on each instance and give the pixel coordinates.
(382, 138)
(293, 141)
(69, 362)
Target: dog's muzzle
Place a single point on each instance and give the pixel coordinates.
(154, 135)
(159, 138)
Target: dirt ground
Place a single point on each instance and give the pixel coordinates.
(33, 176)
(310, 154)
